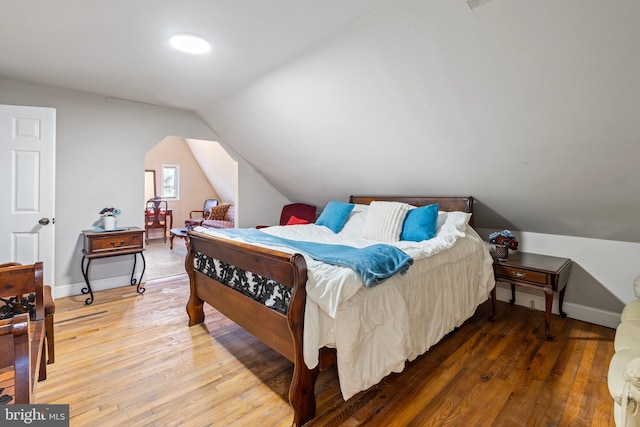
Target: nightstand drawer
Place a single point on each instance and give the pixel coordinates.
(115, 243)
(520, 274)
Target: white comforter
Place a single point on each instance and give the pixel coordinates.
(376, 330)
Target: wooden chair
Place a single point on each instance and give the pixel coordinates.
(49, 311)
(16, 383)
(22, 291)
(196, 217)
(155, 216)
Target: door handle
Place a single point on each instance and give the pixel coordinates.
(44, 221)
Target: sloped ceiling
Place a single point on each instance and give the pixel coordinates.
(530, 106)
(219, 168)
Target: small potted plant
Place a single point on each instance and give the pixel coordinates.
(108, 216)
(503, 241)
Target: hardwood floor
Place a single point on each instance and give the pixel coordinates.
(131, 360)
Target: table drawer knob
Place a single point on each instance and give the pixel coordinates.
(114, 243)
(519, 275)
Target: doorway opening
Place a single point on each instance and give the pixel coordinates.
(205, 171)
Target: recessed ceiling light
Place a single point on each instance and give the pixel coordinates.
(190, 43)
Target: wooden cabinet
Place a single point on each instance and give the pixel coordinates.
(102, 244)
(546, 273)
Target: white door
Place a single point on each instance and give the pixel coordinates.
(27, 186)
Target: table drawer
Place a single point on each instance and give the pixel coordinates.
(520, 274)
(115, 243)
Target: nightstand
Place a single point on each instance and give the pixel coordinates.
(547, 273)
(102, 244)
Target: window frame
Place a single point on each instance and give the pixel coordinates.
(175, 179)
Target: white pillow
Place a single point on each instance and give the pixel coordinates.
(355, 224)
(384, 221)
(442, 217)
(454, 221)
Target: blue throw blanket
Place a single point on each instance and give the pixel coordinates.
(374, 264)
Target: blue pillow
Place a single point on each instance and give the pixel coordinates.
(420, 223)
(334, 215)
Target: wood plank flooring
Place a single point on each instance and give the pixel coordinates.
(131, 360)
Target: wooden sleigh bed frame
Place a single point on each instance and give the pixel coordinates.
(283, 332)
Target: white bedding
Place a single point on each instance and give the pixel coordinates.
(376, 330)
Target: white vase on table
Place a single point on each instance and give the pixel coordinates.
(109, 223)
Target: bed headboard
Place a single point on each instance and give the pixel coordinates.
(464, 204)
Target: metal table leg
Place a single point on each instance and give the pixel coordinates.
(139, 289)
(85, 274)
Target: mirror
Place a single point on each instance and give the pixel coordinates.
(149, 184)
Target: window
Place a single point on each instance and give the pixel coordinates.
(170, 181)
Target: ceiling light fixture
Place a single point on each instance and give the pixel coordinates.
(190, 43)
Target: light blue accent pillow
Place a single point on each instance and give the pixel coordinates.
(334, 215)
(420, 223)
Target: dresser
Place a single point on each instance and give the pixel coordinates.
(103, 244)
(542, 272)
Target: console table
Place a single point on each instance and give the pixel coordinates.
(547, 273)
(102, 244)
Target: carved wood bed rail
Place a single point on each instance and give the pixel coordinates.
(230, 276)
(281, 332)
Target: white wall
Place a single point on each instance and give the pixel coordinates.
(101, 144)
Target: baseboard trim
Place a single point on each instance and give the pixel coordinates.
(96, 285)
(593, 315)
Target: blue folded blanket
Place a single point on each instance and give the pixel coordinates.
(374, 264)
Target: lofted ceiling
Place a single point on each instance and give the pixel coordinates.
(121, 48)
(531, 107)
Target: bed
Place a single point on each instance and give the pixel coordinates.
(319, 315)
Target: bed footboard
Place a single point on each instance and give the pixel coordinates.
(261, 290)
